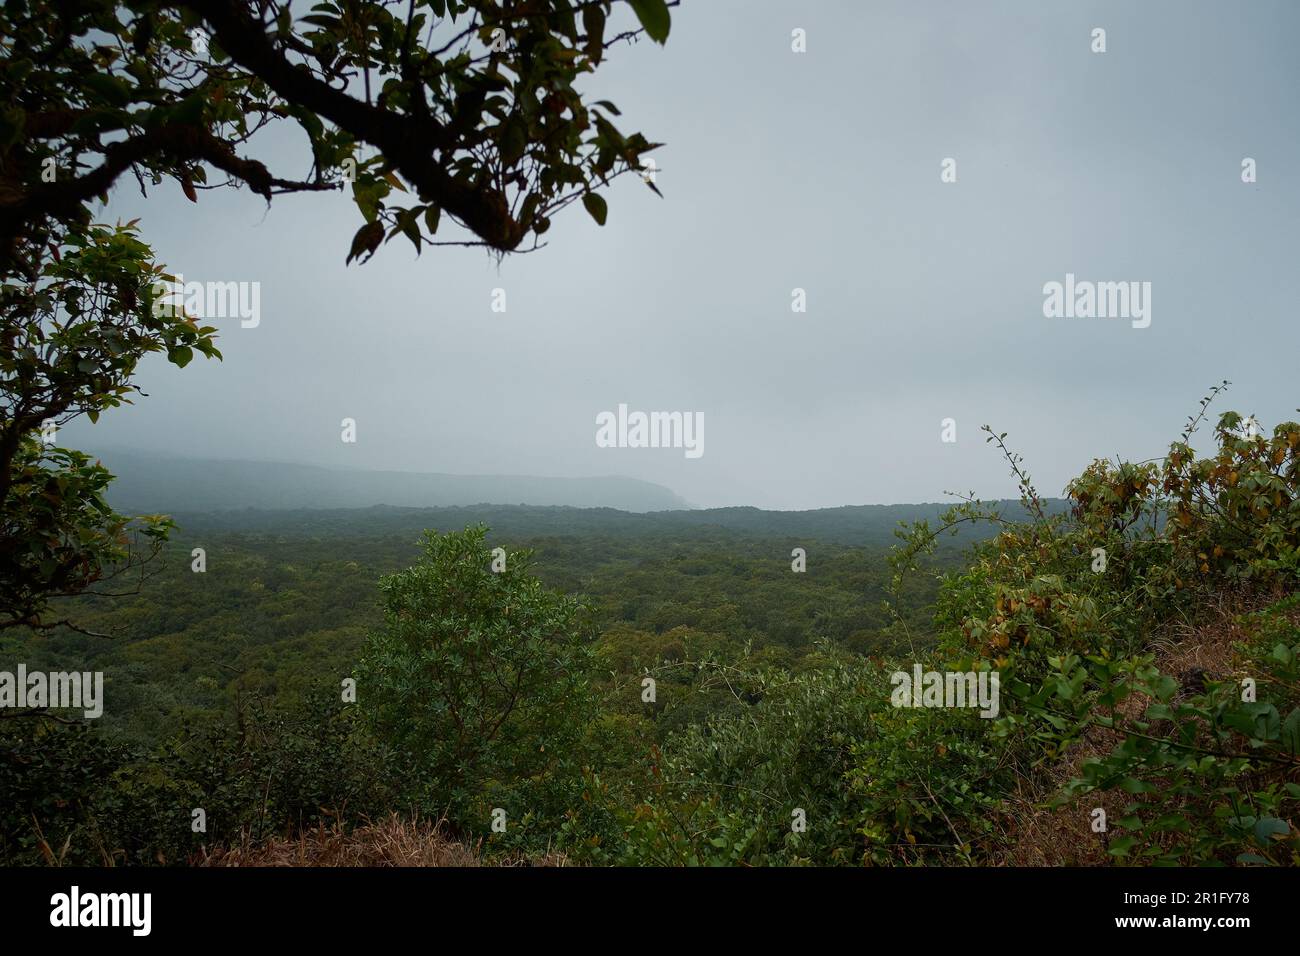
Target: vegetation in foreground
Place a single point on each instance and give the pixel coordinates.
(1146, 641)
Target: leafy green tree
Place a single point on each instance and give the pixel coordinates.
(69, 346)
(478, 677)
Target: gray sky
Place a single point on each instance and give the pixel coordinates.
(821, 171)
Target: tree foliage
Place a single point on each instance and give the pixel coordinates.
(464, 108)
(71, 341)
(479, 676)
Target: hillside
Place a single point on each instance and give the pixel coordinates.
(148, 484)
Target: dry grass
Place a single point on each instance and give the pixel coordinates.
(393, 842)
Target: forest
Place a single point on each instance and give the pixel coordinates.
(283, 609)
(689, 688)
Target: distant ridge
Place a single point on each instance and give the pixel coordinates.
(150, 483)
(850, 525)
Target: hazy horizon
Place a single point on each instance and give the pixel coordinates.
(111, 454)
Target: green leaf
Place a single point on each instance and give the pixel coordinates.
(180, 355)
(1134, 785)
(654, 16)
(514, 140)
(366, 240)
(1291, 732)
(1268, 827)
(596, 206)
(190, 110)
(411, 229)
(109, 88)
(593, 22)
(1121, 846)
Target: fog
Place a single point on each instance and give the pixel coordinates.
(818, 171)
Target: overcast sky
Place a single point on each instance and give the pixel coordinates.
(818, 171)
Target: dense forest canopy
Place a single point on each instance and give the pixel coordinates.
(684, 688)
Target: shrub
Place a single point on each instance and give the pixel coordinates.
(478, 685)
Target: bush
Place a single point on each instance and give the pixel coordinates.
(479, 686)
